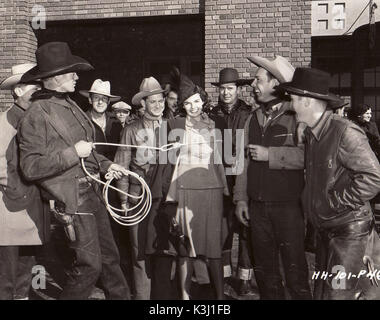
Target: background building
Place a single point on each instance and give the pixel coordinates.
(127, 40)
(345, 45)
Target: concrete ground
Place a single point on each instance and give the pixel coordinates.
(55, 277)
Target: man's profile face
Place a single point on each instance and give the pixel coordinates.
(66, 82)
(171, 100)
(99, 102)
(154, 105)
(229, 92)
(263, 86)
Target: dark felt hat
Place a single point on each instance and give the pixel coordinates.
(54, 58)
(310, 82)
(230, 75)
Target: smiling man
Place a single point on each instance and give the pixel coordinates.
(99, 97)
(231, 113)
(274, 216)
(142, 132)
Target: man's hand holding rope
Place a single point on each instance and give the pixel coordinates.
(117, 171)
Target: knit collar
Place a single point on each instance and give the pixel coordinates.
(267, 107)
(47, 94)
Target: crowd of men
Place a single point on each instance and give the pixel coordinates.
(302, 165)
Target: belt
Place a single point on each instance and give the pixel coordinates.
(355, 227)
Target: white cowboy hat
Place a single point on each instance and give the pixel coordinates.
(100, 87)
(17, 72)
(280, 68)
(121, 105)
(149, 86)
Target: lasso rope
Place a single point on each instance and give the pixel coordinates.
(144, 199)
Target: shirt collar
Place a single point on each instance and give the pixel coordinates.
(151, 123)
(21, 103)
(228, 109)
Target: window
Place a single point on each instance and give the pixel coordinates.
(323, 8)
(323, 24)
(339, 24)
(340, 7)
(339, 16)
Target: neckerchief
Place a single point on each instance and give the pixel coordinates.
(47, 94)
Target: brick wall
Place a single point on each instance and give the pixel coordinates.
(96, 9)
(16, 17)
(17, 40)
(235, 29)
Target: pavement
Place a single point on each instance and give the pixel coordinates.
(55, 276)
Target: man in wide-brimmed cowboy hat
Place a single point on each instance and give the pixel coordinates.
(274, 214)
(20, 200)
(142, 132)
(342, 175)
(99, 96)
(231, 113)
(55, 135)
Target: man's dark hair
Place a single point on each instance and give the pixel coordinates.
(172, 89)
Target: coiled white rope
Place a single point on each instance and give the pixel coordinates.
(144, 199)
(142, 207)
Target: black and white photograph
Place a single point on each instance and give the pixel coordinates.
(198, 150)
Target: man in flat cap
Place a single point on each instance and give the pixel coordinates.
(274, 213)
(231, 113)
(122, 112)
(55, 135)
(342, 176)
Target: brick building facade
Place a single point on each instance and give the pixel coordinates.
(212, 33)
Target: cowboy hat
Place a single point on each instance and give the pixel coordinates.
(17, 72)
(230, 75)
(149, 86)
(280, 68)
(337, 104)
(100, 87)
(54, 58)
(121, 105)
(309, 82)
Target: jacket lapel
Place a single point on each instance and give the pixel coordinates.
(56, 122)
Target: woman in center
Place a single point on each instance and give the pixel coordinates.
(198, 185)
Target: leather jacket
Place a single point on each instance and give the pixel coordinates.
(342, 173)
